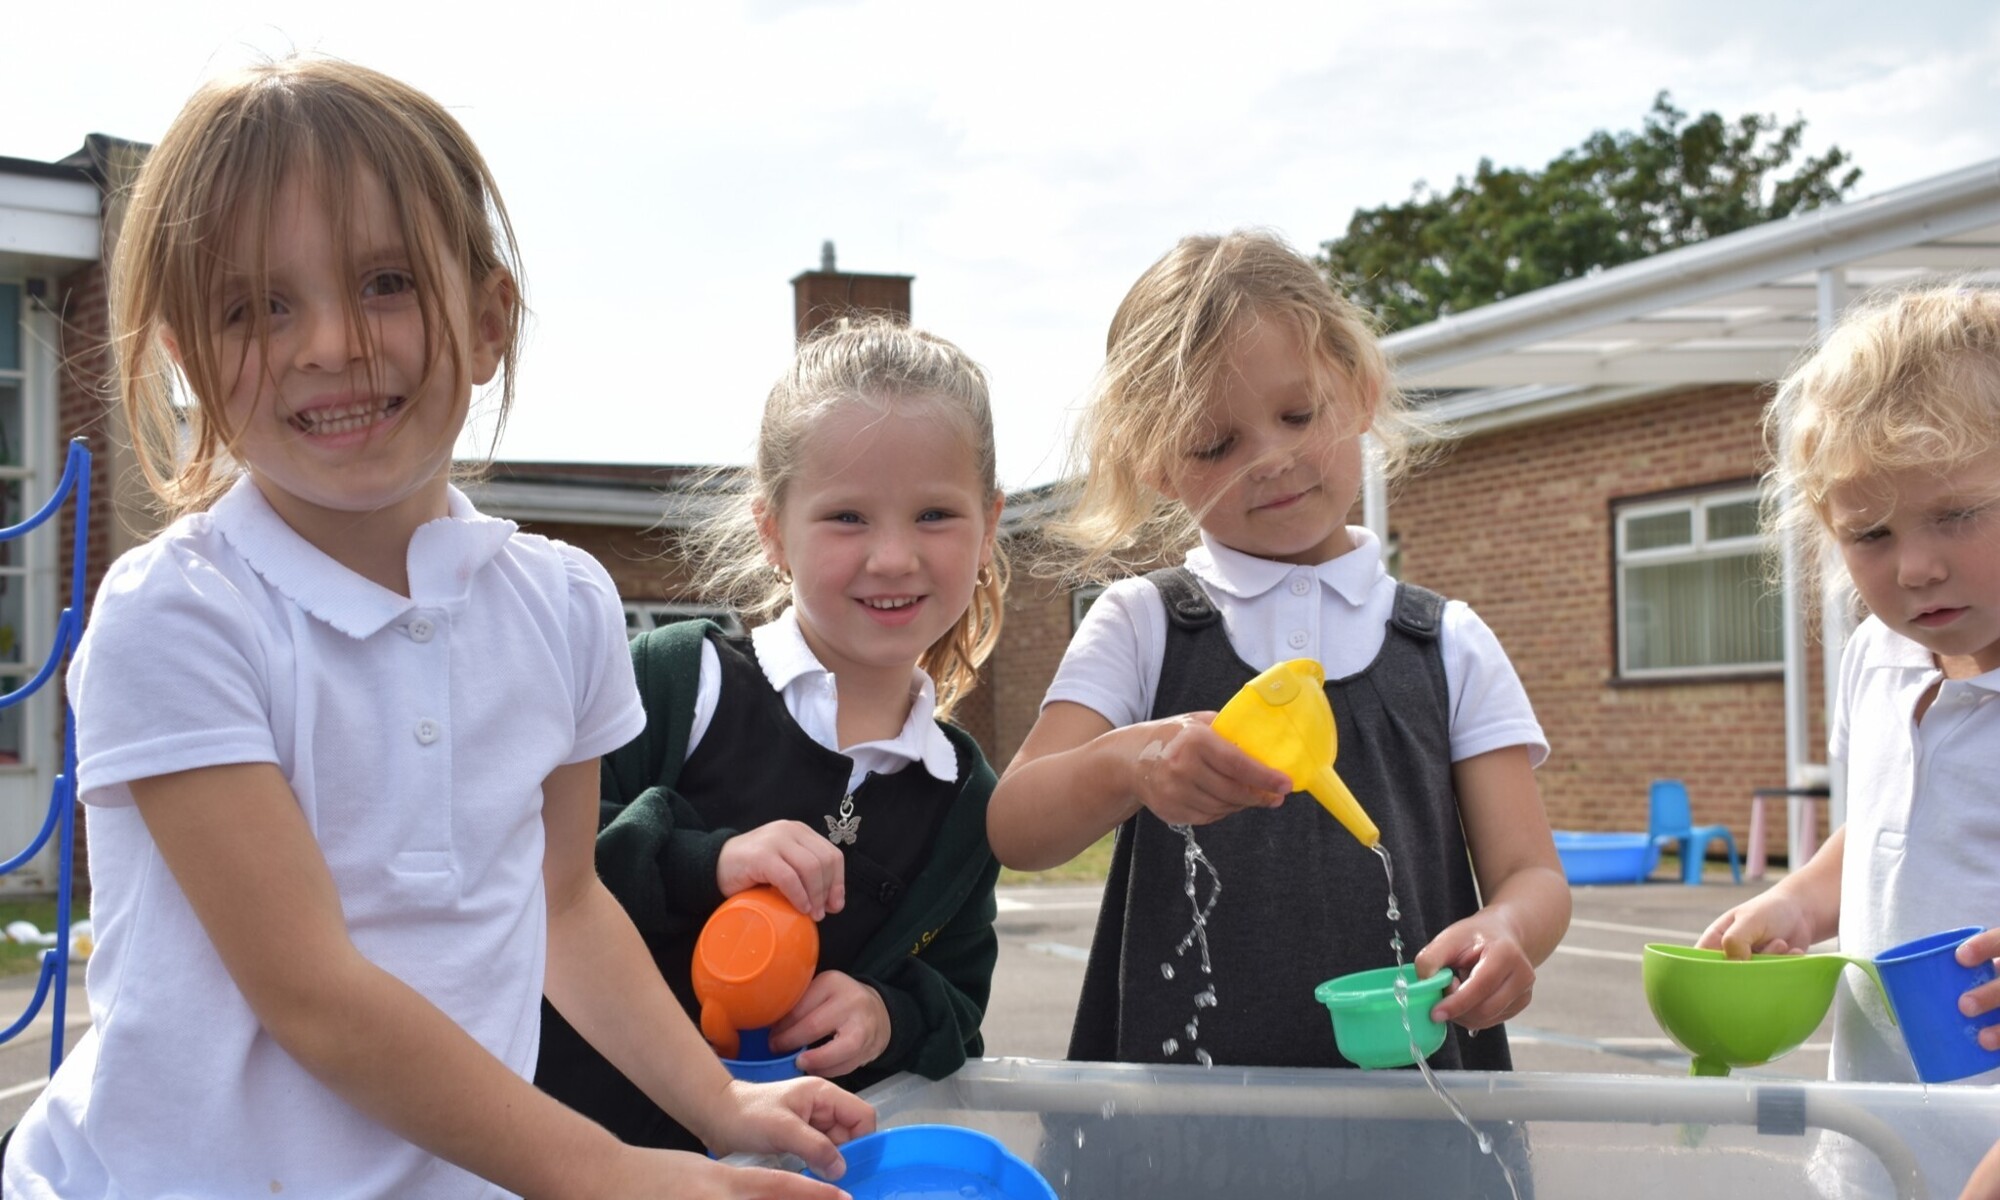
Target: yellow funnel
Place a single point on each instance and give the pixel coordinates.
(1282, 719)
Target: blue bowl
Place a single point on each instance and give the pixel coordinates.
(1606, 857)
(919, 1161)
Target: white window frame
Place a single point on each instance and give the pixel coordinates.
(643, 616)
(1700, 547)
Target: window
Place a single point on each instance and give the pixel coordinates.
(15, 472)
(642, 615)
(1080, 601)
(1692, 594)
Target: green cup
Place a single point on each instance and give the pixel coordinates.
(1368, 1020)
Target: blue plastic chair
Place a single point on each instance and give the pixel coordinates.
(53, 983)
(1670, 818)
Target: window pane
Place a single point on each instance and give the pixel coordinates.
(1734, 520)
(12, 716)
(1718, 612)
(10, 427)
(1657, 530)
(10, 326)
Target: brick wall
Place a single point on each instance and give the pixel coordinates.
(1519, 524)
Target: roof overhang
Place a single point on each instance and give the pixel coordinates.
(1736, 309)
(48, 215)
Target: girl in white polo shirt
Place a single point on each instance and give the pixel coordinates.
(338, 732)
(1890, 455)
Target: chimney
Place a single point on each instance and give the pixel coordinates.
(820, 296)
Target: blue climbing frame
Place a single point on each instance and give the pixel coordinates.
(61, 819)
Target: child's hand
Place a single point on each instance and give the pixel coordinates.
(1188, 774)
(842, 1007)
(1773, 923)
(640, 1172)
(1496, 977)
(1985, 1181)
(790, 856)
(803, 1117)
(1981, 947)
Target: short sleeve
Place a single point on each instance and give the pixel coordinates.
(1489, 707)
(173, 674)
(608, 712)
(1112, 666)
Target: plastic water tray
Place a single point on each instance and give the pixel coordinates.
(1116, 1132)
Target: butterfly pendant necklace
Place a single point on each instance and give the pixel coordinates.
(845, 828)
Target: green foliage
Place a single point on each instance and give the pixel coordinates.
(1613, 199)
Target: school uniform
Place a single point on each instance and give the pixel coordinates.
(910, 815)
(416, 732)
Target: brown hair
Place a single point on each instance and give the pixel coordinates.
(894, 370)
(1170, 338)
(216, 173)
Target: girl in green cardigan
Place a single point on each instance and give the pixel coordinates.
(815, 753)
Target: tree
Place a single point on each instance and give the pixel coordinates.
(1613, 199)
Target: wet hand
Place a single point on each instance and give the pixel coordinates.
(807, 1118)
(790, 856)
(842, 1008)
(1496, 978)
(1982, 947)
(1188, 774)
(1770, 924)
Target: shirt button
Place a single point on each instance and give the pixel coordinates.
(889, 891)
(1297, 641)
(427, 731)
(1301, 585)
(421, 630)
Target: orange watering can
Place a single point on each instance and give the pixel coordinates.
(1282, 719)
(752, 963)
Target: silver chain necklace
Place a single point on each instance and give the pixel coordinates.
(847, 827)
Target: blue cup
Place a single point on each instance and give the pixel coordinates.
(1924, 981)
(757, 1064)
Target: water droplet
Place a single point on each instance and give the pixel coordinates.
(1169, 1046)
(1166, 970)
(1204, 1058)
(1193, 1030)
(1079, 1136)
(1485, 1144)
(1107, 1109)
(1395, 914)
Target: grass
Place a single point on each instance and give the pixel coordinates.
(1089, 867)
(16, 959)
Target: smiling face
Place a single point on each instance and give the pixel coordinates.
(1923, 548)
(333, 425)
(1276, 466)
(884, 527)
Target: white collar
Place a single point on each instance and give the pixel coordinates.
(789, 663)
(1352, 575)
(443, 557)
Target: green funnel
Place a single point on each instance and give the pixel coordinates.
(1734, 1012)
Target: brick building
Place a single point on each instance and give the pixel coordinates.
(1598, 503)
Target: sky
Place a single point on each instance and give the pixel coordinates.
(670, 167)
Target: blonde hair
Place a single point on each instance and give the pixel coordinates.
(1169, 341)
(1907, 380)
(217, 173)
(894, 371)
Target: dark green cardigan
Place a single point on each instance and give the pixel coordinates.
(932, 962)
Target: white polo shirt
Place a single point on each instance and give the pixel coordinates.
(1923, 829)
(415, 732)
(1336, 612)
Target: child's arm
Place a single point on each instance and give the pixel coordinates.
(240, 849)
(1076, 778)
(929, 1003)
(1800, 909)
(604, 983)
(1526, 899)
